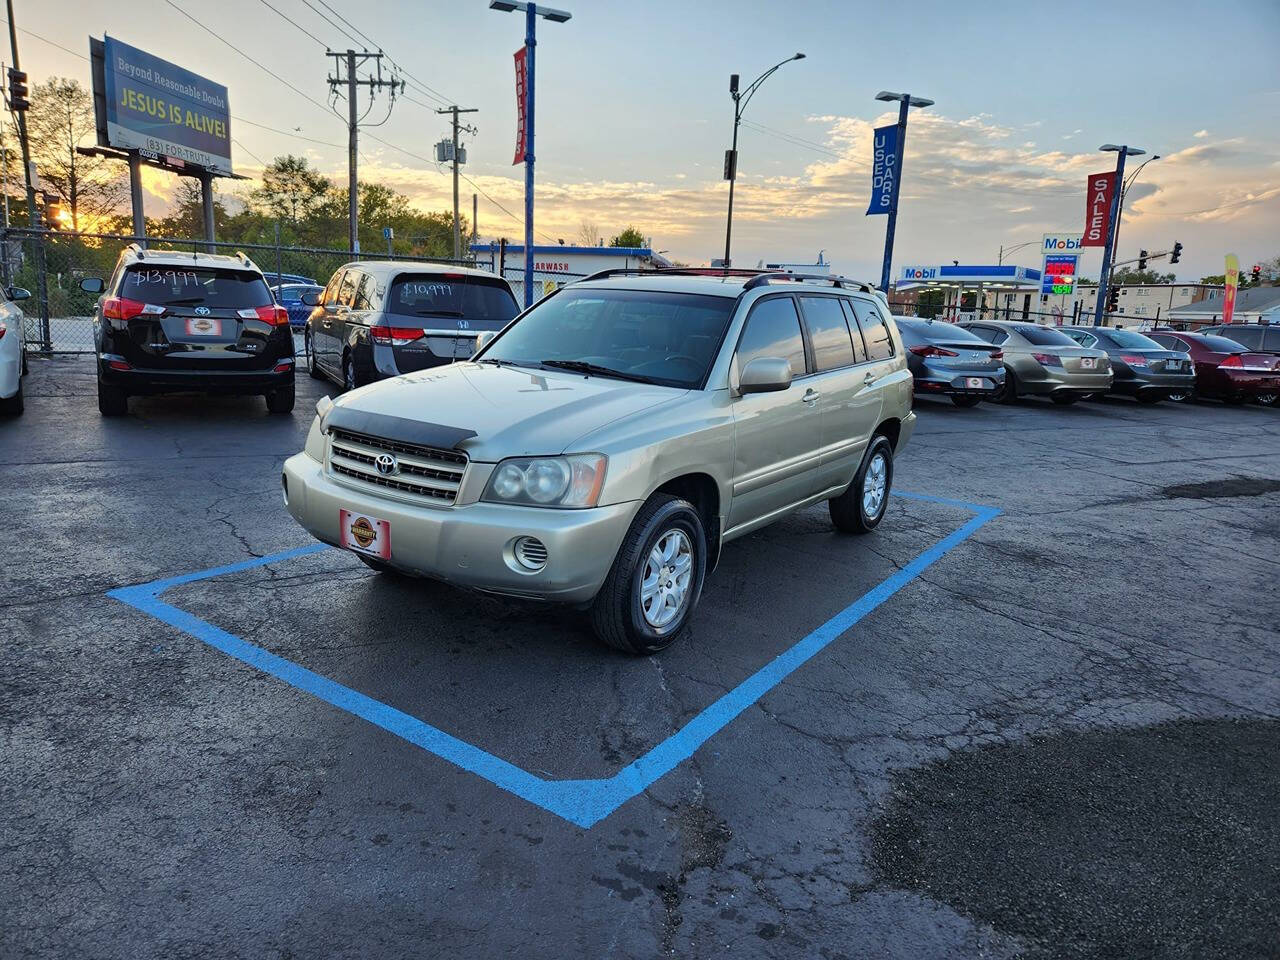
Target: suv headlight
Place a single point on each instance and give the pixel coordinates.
(323, 406)
(574, 481)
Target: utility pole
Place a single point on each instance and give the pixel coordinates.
(33, 212)
(1113, 226)
(457, 229)
(475, 219)
(375, 82)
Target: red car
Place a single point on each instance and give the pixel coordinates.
(1224, 369)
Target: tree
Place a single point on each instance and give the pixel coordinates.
(291, 189)
(61, 119)
(630, 237)
(588, 234)
(187, 218)
(1130, 276)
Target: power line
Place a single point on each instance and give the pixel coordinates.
(336, 26)
(295, 23)
(790, 138)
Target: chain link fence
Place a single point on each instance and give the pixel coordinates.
(50, 265)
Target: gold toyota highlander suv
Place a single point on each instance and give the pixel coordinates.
(603, 447)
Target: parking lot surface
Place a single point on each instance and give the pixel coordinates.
(1040, 742)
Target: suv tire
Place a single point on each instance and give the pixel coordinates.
(112, 401)
(349, 381)
(666, 533)
(863, 504)
(281, 400)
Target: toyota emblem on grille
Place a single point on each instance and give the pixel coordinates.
(386, 464)
(202, 311)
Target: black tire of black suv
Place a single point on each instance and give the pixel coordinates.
(281, 400)
(12, 406)
(616, 613)
(847, 511)
(112, 401)
(965, 400)
(312, 369)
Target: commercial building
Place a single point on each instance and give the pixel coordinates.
(1253, 305)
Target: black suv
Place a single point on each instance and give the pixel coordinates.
(176, 322)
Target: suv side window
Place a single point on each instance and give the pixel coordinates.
(773, 330)
(1272, 341)
(347, 292)
(364, 293)
(828, 332)
(859, 345)
(1243, 335)
(330, 295)
(874, 330)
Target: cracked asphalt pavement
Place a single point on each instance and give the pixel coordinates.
(1058, 741)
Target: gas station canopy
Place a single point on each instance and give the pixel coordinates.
(960, 275)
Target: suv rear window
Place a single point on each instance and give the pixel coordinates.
(178, 286)
(874, 331)
(1221, 344)
(450, 295)
(1249, 338)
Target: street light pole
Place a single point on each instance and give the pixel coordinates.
(1124, 191)
(740, 101)
(531, 13)
(1113, 226)
(905, 101)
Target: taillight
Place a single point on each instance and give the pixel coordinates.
(997, 354)
(1047, 359)
(122, 308)
(1232, 361)
(118, 365)
(395, 336)
(272, 313)
(932, 351)
(3, 328)
(1134, 361)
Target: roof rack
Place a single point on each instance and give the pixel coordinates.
(674, 271)
(764, 279)
(137, 248)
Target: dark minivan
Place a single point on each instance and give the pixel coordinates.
(176, 322)
(380, 319)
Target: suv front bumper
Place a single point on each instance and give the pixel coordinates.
(470, 545)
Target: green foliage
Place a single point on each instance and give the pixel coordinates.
(1130, 276)
(630, 237)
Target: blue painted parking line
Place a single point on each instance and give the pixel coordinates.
(583, 802)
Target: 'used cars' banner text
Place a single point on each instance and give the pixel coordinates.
(884, 168)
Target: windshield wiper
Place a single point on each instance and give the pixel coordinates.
(184, 303)
(582, 366)
(437, 313)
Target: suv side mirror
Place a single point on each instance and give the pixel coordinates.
(92, 285)
(311, 299)
(765, 375)
(18, 293)
(482, 340)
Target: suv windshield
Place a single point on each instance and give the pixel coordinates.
(666, 338)
(178, 286)
(1044, 336)
(1132, 341)
(450, 295)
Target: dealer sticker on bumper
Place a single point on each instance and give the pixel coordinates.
(364, 534)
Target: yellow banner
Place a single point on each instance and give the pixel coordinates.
(1229, 292)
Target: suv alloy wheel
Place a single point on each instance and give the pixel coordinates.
(862, 505)
(655, 582)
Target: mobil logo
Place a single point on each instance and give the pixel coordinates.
(1063, 242)
(919, 273)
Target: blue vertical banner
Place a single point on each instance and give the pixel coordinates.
(884, 168)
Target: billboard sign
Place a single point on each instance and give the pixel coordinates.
(884, 168)
(1059, 274)
(162, 110)
(1099, 193)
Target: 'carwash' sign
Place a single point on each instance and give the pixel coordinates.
(158, 107)
(884, 168)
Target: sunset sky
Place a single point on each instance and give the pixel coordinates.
(634, 115)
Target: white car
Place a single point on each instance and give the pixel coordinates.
(12, 354)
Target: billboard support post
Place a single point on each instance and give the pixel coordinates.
(206, 201)
(135, 195)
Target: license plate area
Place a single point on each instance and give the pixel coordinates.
(1088, 363)
(975, 383)
(361, 533)
(203, 327)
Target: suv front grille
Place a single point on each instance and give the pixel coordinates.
(425, 473)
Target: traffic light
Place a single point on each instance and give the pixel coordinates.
(1175, 253)
(1113, 300)
(1142, 259)
(1257, 274)
(18, 91)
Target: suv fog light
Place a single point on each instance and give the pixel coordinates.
(530, 553)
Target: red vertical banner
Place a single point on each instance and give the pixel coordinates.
(1229, 288)
(1101, 191)
(522, 87)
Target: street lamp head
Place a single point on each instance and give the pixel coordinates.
(798, 56)
(555, 16)
(886, 96)
(506, 6)
(921, 102)
(549, 13)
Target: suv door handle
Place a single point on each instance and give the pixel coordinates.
(810, 396)
(869, 379)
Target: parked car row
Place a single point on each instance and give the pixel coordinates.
(1004, 360)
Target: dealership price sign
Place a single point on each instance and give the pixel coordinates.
(1059, 273)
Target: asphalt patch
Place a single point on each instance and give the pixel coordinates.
(1160, 841)
(1218, 489)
